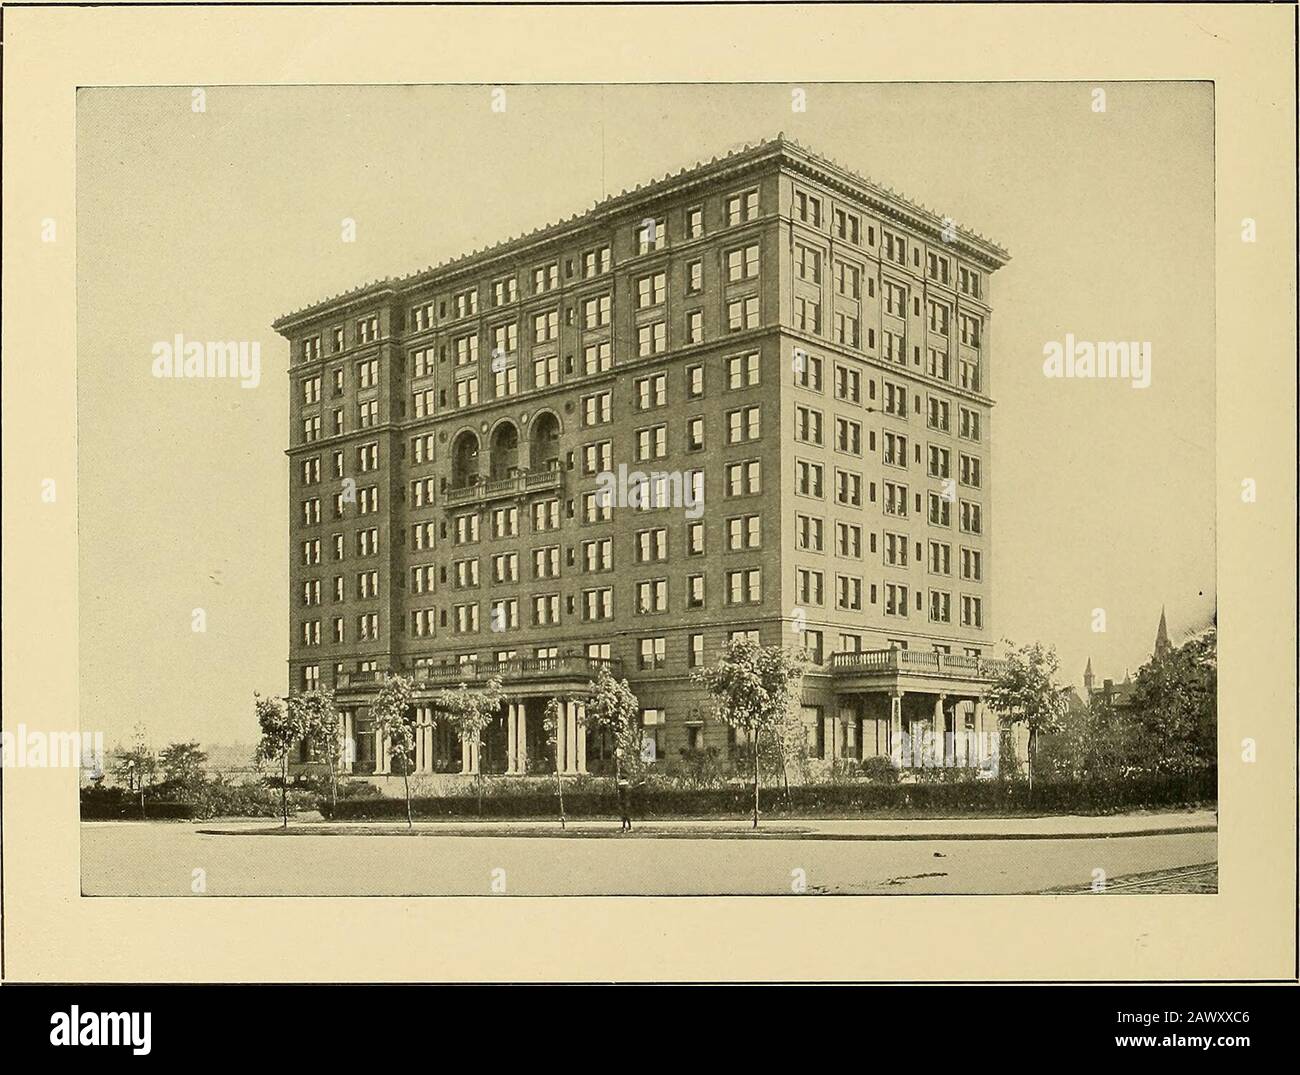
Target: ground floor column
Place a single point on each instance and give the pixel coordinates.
(896, 728)
(960, 736)
(580, 734)
(512, 755)
(468, 755)
(562, 722)
(939, 751)
(521, 738)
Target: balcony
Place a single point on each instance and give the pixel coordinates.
(883, 665)
(517, 669)
(514, 486)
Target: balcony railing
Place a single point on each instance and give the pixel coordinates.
(912, 660)
(515, 668)
(514, 485)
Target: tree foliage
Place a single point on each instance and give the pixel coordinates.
(393, 713)
(282, 729)
(1025, 692)
(753, 689)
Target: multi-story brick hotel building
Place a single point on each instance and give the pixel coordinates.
(802, 348)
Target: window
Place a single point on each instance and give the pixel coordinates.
(969, 373)
(969, 426)
(848, 384)
(809, 478)
(367, 329)
(649, 236)
(895, 499)
(807, 264)
(895, 299)
(809, 533)
(970, 331)
(742, 207)
(465, 618)
(545, 515)
(651, 596)
(652, 653)
(848, 436)
(695, 591)
(598, 604)
(895, 599)
(744, 478)
(940, 462)
(695, 434)
(422, 403)
(971, 518)
(546, 609)
(597, 458)
(694, 222)
(695, 650)
(695, 326)
(743, 424)
(651, 545)
(745, 587)
(743, 371)
(937, 267)
(652, 338)
(742, 313)
(546, 370)
(466, 351)
(970, 470)
(743, 264)
(848, 593)
(597, 357)
(651, 290)
(546, 326)
(546, 562)
(504, 291)
(546, 278)
(810, 586)
(938, 365)
(848, 488)
(694, 277)
(847, 226)
(744, 532)
(465, 303)
(848, 540)
(807, 314)
(464, 574)
(938, 321)
(940, 510)
(368, 413)
(940, 606)
(940, 558)
(467, 392)
(895, 399)
(596, 311)
(596, 409)
(807, 208)
(466, 529)
(595, 262)
(847, 330)
(895, 248)
(939, 414)
(848, 280)
(694, 381)
(807, 370)
(972, 564)
(597, 555)
(968, 280)
(895, 549)
(651, 391)
(368, 627)
(972, 611)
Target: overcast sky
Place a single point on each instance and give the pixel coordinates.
(213, 224)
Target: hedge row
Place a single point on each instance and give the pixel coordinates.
(993, 797)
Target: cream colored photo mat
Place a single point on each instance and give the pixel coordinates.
(1246, 931)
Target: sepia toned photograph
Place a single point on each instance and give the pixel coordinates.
(639, 494)
(572, 490)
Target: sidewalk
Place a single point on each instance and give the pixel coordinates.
(1055, 827)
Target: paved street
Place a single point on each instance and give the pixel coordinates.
(244, 858)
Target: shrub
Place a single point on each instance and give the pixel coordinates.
(879, 770)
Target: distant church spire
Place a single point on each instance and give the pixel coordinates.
(1162, 636)
(1087, 677)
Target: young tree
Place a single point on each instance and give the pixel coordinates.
(320, 719)
(469, 711)
(394, 718)
(551, 722)
(612, 709)
(281, 731)
(136, 765)
(753, 688)
(182, 763)
(1025, 692)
